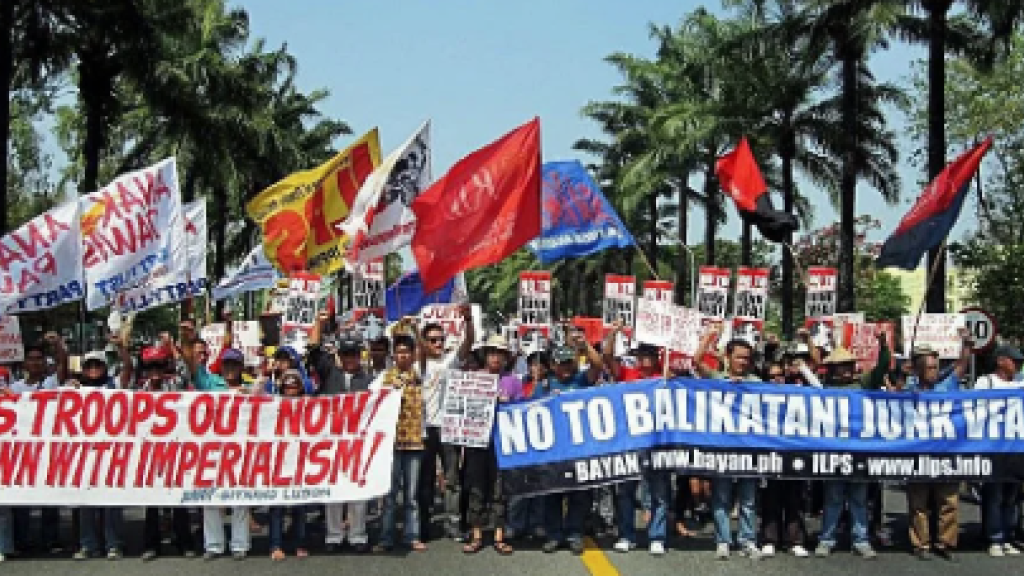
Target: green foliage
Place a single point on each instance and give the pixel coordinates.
(997, 284)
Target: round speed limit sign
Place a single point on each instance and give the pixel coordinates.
(982, 326)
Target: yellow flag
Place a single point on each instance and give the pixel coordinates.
(299, 215)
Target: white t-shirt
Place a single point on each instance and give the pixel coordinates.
(434, 382)
(994, 382)
(49, 383)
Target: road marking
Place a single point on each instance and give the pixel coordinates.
(595, 560)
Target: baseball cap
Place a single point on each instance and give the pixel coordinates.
(349, 343)
(154, 354)
(923, 350)
(95, 356)
(647, 350)
(232, 355)
(563, 354)
(1007, 351)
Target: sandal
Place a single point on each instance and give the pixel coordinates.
(473, 547)
(684, 531)
(302, 553)
(503, 548)
(418, 546)
(277, 555)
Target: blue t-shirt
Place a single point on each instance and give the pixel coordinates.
(948, 384)
(207, 381)
(577, 381)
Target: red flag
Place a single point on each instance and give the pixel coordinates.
(740, 178)
(485, 208)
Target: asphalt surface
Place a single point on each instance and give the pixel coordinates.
(690, 556)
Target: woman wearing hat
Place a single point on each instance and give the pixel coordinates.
(482, 479)
(291, 384)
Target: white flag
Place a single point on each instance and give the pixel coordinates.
(255, 273)
(41, 262)
(196, 236)
(381, 220)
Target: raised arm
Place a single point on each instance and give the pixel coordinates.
(705, 345)
(187, 335)
(124, 380)
(876, 380)
(60, 355)
(608, 344)
(963, 363)
(469, 337)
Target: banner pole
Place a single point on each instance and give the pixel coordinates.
(643, 258)
(920, 308)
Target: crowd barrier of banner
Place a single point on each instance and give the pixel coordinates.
(712, 428)
(120, 448)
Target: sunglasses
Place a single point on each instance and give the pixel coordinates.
(436, 340)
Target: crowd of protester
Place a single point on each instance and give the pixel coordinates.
(463, 486)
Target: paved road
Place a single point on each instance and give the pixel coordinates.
(444, 558)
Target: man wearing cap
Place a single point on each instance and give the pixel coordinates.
(340, 373)
(945, 494)
(842, 373)
(739, 368)
(1000, 498)
(566, 376)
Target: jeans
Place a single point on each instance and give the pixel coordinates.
(625, 509)
(525, 514)
(453, 497)
(1000, 501)
(298, 528)
(337, 530)
(213, 529)
(572, 525)
(782, 516)
(722, 490)
(49, 526)
(405, 476)
(836, 494)
(6, 531)
(113, 526)
(659, 489)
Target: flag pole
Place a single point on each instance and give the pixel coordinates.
(920, 308)
(643, 258)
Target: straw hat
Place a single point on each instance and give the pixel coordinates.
(495, 342)
(839, 356)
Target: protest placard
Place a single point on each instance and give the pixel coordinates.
(448, 316)
(42, 262)
(861, 339)
(123, 448)
(468, 413)
(245, 337)
(713, 291)
(660, 290)
(535, 302)
(11, 347)
(686, 331)
(941, 332)
(821, 292)
(751, 293)
(303, 304)
(653, 321)
(619, 301)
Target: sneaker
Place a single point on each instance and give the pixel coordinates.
(799, 551)
(623, 546)
(114, 554)
(148, 556)
(82, 554)
(768, 550)
(2, 557)
(657, 549)
(996, 551)
(823, 550)
(576, 546)
(210, 555)
(865, 551)
(550, 546)
(332, 548)
(55, 548)
(189, 554)
(722, 552)
(751, 551)
(1010, 550)
(238, 555)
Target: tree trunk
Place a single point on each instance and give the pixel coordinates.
(652, 241)
(7, 76)
(220, 225)
(683, 259)
(937, 10)
(710, 212)
(787, 152)
(848, 184)
(746, 245)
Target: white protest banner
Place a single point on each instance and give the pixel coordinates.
(197, 245)
(687, 327)
(619, 300)
(41, 262)
(120, 448)
(821, 292)
(654, 321)
(381, 220)
(133, 234)
(300, 315)
(245, 336)
(448, 316)
(941, 332)
(254, 273)
(713, 291)
(535, 302)
(467, 416)
(12, 348)
(861, 339)
(751, 293)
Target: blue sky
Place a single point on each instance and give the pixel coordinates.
(477, 69)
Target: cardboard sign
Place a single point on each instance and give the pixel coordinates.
(245, 337)
(751, 293)
(713, 291)
(750, 330)
(940, 332)
(535, 302)
(861, 339)
(821, 292)
(448, 316)
(304, 300)
(660, 290)
(12, 349)
(468, 414)
(619, 301)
